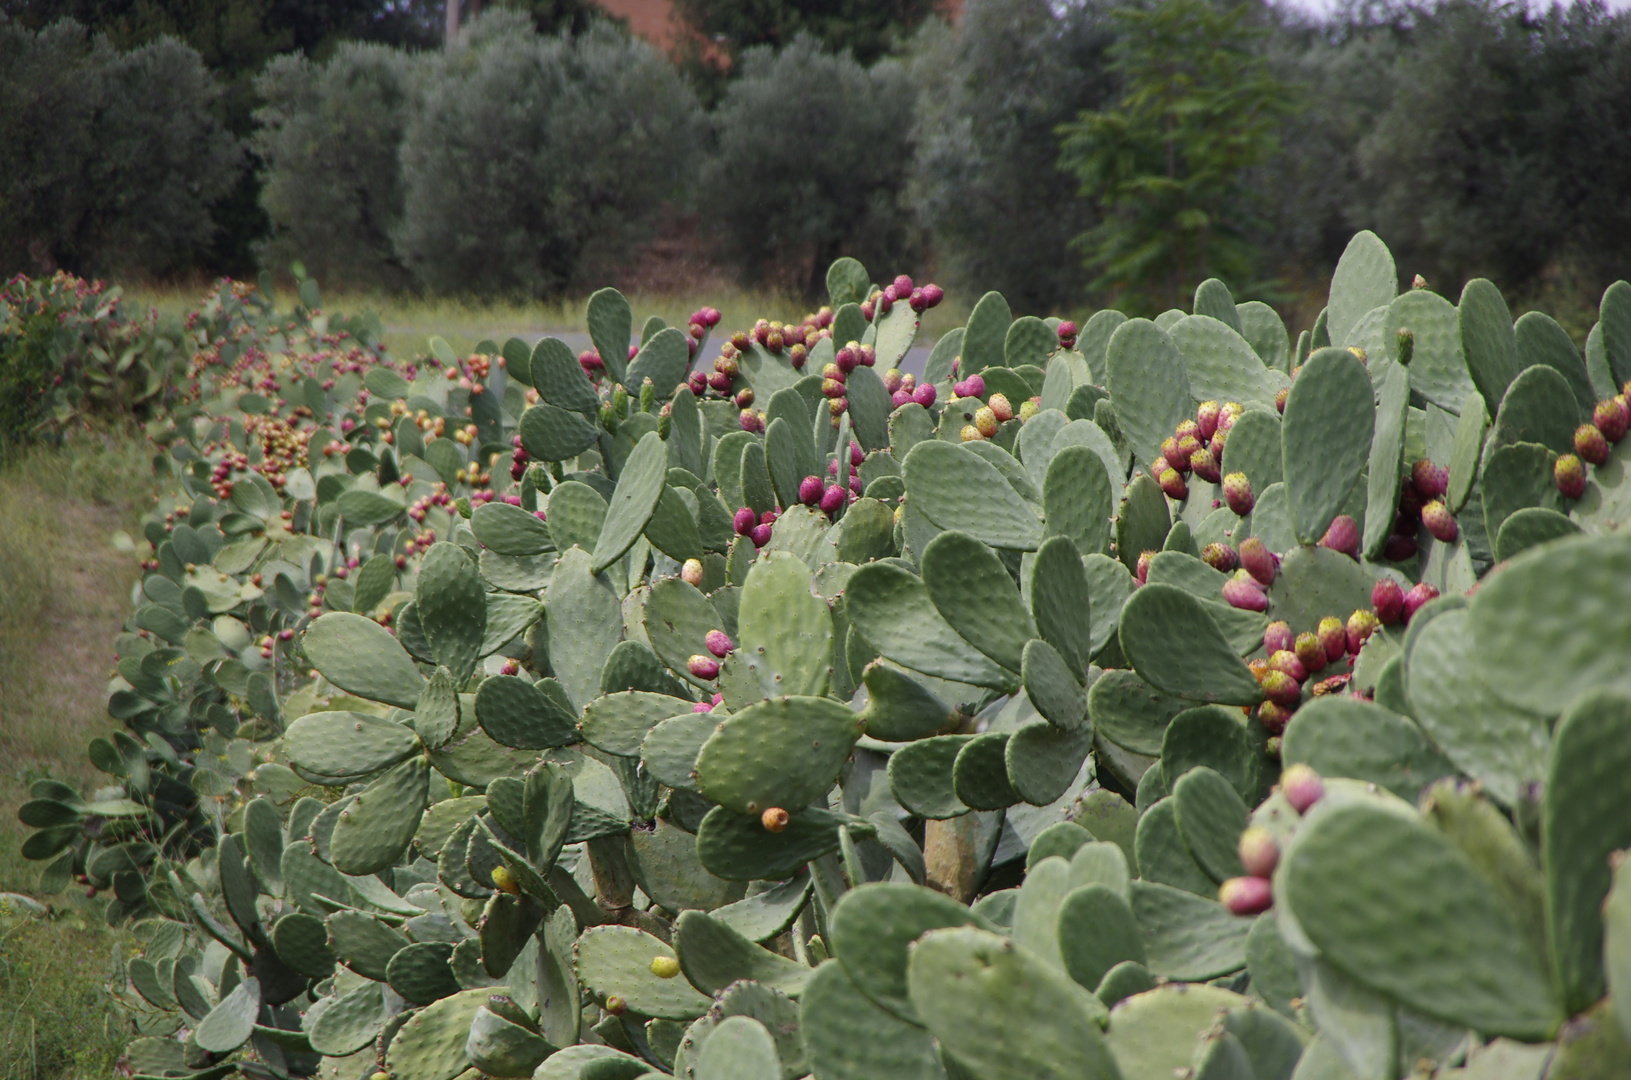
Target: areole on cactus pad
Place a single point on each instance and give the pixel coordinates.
(1146, 699)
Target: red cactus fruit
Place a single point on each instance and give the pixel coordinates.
(1302, 787)
(1143, 570)
(1280, 397)
(924, 395)
(1274, 718)
(1610, 418)
(1174, 457)
(1343, 536)
(1259, 852)
(1387, 599)
(1237, 492)
(719, 643)
(1282, 689)
(1591, 444)
(691, 572)
(1334, 636)
(1220, 556)
(1432, 481)
(1440, 522)
(1570, 474)
(1278, 636)
(1417, 598)
(760, 535)
(1361, 625)
(1206, 418)
(1258, 561)
(1205, 465)
(1001, 408)
(1173, 484)
(1311, 651)
(1244, 593)
(1399, 548)
(745, 520)
(1247, 895)
(703, 667)
(1286, 661)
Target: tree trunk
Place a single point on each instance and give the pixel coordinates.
(452, 23)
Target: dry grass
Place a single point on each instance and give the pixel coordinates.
(64, 593)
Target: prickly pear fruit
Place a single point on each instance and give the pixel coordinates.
(924, 395)
(1590, 444)
(379, 1076)
(810, 490)
(1258, 561)
(665, 967)
(760, 535)
(1247, 895)
(1206, 418)
(1286, 661)
(1361, 625)
(1170, 454)
(505, 881)
(1610, 418)
(970, 433)
(691, 572)
(1220, 556)
(1441, 523)
(1278, 637)
(719, 643)
(774, 819)
(1237, 492)
(1259, 852)
(1173, 485)
(745, 520)
(1399, 548)
(1273, 718)
(1259, 667)
(1302, 787)
(616, 1005)
(1343, 536)
(1001, 408)
(1242, 592)
(1281, 396)
(1570, 474)
(1143, 571)
(1311, 651)
(1282, 689)
(1029, 408)
(1334, 636)
(1417, 598)
(985, 418)
(703, 667)
(975, 385)
(1205, 465)
(1430, 481)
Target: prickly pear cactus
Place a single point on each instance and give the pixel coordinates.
(1152, 699)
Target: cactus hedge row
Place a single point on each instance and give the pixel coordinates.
(1139, 700)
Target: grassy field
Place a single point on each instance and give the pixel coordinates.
(411, 320)
(64, 592)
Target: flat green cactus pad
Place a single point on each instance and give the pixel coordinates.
(1043, 761)
(1400, 908)
(423, 972)
(1214, 736)
(955, 487)
(348, 745)
(1162, 854)
(639, 487)
(1330, 421)
(587, 622)
(1148, 385)
(1097, 931)
(377, 828)
(1221, 365)
(1438, 370)
(1187, 936)
(1365, 279)
(362, 657)
(1340, 736)
(713, 956)
(1539, 407)
(1585, 818)
(892, 609)
(1211, 816)
(1175, 645)
(1273, 966)
(616, 960)
(1076, 498)
(1488, 340)
(785, 631)
(1003, 1012)
(848, 1037)
(787, 750)
(508, 530)
(519, 713)
(363, 943)
(430, 1046)
(576, 514)
(340, 1026)
(618, 723)
(737, 847)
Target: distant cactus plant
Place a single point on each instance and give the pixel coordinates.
(923, 735)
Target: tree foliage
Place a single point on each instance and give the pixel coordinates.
(1199, 107)
(811, 162)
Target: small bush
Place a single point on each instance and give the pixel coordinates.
(71, 353)
(533, 156)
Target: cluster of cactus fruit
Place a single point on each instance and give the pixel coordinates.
(947, 740)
